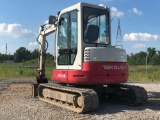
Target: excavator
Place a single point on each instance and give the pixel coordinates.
(88, 67)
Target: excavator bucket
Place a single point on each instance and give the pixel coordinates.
(35, 90)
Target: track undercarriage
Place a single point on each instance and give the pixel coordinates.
(84, 99)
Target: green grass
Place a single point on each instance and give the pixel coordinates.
(17, 70)
(138, 73)
(14, 70)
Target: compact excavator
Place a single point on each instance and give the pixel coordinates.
(88, 67)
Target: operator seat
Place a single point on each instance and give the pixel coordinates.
(91, 33)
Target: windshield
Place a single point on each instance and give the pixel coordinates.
(96, 26)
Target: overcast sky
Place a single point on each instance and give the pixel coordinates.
(20, 21)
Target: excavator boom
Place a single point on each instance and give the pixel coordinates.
(42, 50)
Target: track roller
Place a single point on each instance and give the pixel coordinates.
(75, 99)
(128, 94)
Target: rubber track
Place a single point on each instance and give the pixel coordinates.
(90, 97)
(140, 94)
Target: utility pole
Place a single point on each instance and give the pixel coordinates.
(119, 36)
(146, 67)
(6, 52)
(6, 48)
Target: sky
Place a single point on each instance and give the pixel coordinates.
(20, 21)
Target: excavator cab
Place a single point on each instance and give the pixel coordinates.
(80, 26)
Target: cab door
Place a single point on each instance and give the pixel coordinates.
(66, 49)
(67, 40)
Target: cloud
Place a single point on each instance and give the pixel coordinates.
(140, 37)
(14, 30)
(33, 44)
(116, 12)
(136, 11)
(102, 5)
(139, 46)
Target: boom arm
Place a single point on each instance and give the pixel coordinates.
(42, 51)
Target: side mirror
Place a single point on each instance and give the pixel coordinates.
(52, 19)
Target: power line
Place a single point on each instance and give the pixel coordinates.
(119, 36)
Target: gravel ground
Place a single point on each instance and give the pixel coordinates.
(16, 103)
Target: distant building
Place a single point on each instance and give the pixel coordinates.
(9, 61)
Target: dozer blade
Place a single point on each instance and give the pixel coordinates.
(75, 99)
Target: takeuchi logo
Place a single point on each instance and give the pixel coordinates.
(114, 67)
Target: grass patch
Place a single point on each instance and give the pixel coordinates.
(138, 74)
(18, 70)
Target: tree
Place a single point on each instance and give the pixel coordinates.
(49, 56)
(34, 54)
(10, 57)
(22, 54)
(1, 58)
(151, 53)
(155, 60)
(158, 52)
(137, 59)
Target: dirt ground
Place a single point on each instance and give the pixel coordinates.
(16, 103)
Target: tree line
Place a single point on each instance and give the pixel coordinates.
(22, 55)
(151, 57)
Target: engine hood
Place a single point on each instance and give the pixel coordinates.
(104, 54)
